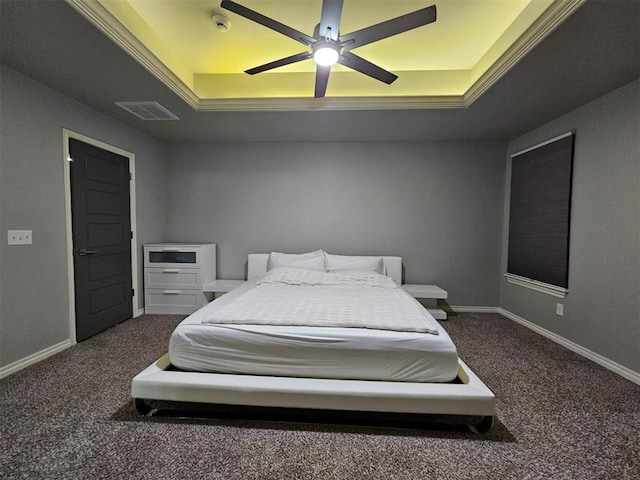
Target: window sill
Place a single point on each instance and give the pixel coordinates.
(542, 287)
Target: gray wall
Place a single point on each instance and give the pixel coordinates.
(34, 311)
(602, 309)
(438, 205)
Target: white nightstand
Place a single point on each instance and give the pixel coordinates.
(221, 286)
(174, 274)
(429, 294)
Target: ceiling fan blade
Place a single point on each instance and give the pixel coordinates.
(268, 22)
(389, 28)
(322, 78)
(361, 65)
(330, 18)
(298, 57)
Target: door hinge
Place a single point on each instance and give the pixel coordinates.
(133, 292)
(131, 234)
(130, 176)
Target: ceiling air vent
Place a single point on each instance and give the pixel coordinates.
(148, 110)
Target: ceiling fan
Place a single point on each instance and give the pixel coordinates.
(329, 47)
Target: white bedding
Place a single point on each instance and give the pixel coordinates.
(293, 296)
(311, 351)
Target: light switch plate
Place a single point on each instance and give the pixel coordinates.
(19, 237)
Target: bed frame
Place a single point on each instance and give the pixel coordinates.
(467, 396)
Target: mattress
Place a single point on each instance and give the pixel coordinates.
(310, 351)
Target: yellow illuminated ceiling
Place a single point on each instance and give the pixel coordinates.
(448, 63)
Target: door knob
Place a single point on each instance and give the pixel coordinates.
(83, 252)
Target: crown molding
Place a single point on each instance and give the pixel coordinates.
(113, 29)
(553, 16)
(331, 103)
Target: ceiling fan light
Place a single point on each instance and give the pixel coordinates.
(326, 53)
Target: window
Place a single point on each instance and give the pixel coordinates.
(539, 218)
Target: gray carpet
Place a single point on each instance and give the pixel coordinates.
(560, 416)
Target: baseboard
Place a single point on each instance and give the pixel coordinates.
(34, 358)
(47, 352)
(468, 309)
(580, 350)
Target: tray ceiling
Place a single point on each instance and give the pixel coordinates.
(448, 63)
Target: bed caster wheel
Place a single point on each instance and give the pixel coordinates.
(483, 426)
(142, 407)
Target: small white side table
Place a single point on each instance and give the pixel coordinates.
(221, 286)
(429, 294)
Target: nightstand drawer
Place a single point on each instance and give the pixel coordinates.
(169, 300)
(174, 256)
(172, 278)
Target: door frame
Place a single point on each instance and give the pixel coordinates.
(66, 136)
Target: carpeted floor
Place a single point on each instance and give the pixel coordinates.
(560, 416)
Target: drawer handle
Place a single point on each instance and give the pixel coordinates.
(171, 270)
(172, 292)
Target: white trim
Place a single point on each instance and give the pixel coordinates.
(134, 235)
(542, 144)
(138, 312)
(536, 285)
(66, 172)
(471, 309)
(330, 103)
(555, 14)
(580, 350)
(100, 17)
(66, 136)
(34, 358)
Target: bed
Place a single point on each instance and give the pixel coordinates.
(241, 349)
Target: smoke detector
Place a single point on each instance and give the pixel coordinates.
(221, 22)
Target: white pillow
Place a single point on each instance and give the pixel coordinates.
(310, 261)
(336, 263)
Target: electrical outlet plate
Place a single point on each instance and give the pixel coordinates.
(19, 237)
(559, 309)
